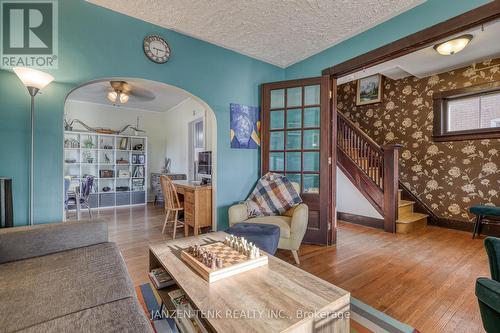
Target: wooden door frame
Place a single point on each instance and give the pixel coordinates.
(325, 141)
(418, 40)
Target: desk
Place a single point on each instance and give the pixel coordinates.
(197, 204)
(278, 297)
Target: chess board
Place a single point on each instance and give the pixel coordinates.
(233, 262)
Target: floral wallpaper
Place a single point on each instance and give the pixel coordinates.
(448, 177)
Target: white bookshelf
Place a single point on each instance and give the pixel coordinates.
(87, 153)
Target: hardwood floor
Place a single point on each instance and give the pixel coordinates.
(425, 279)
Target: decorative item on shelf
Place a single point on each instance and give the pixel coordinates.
(141, 159)
(70, 161)
(88, 143)
(87, 157)
(123, 174)
(106, 173)
(122, 161)
(122, 189)
(138, 171)
(101, 130)
(137, 185)
(107, 160)
(71, 143)
(68, 124)
(138, 147)
(245, 126)
(106, 189)
(124, 143)
(369, 90)
(166, 166)
(107, 147)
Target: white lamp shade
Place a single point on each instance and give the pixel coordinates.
(33, 78)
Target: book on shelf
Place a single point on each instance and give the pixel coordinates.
(160, 278)
(188, 322)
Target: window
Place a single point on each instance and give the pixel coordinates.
(467, 113)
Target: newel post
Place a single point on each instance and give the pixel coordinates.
(391, 185)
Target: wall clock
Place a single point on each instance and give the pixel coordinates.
(156, 49)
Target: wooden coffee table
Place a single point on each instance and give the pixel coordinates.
(278, 297)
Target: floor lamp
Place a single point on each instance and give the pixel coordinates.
(34, 80)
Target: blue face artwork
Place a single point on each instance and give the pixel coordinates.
(244, 126)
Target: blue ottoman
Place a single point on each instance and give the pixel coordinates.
(265, 236)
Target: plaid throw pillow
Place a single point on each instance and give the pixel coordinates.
(274, 194)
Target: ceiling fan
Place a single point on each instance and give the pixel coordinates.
(121, 92)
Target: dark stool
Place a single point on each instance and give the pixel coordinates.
(265, 236)
(481, 212)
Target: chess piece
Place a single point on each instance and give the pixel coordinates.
(219, 262)
(213, 264)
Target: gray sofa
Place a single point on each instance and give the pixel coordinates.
(66, 277)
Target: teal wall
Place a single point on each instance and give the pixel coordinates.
(93, 43)
(96, 43)
(423, 16)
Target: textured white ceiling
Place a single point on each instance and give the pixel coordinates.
(281, 32)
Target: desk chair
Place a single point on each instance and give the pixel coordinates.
(84, 197)
(172, 203)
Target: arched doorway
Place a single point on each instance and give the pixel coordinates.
(164, 119)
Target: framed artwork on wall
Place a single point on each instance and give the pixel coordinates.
(245, 126)
(369, 90)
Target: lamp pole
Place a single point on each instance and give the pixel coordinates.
(32, 91)
(33, 80)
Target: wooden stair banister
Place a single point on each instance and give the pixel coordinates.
(373, 169)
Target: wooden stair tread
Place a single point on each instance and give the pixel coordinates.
(411, 217)
(403, 203)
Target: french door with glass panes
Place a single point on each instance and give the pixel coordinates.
(295, 142)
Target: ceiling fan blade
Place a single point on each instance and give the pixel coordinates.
(142, 94)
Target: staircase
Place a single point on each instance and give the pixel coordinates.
(374, 170)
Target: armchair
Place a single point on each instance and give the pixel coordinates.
(488, 290)
(292, 224)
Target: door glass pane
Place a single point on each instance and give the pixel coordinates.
(294, 97)
(311, 183)
(277, 119)
(311, 95)
(277, 99)
(311, 139)
(311, 117)
(294, 178)
(311, 161)
(294, 118)
(277, 140)
(293, 140)
(276, 161)
(293, 161)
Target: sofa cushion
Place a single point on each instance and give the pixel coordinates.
(38, 240)
(124, 315)
(58, 284)
(281, 221)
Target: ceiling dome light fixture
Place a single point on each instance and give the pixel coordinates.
(454, 45)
